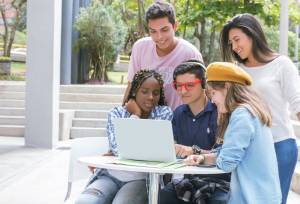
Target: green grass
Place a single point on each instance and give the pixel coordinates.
(18, 70)
(18, 67)
(20, 38)
(12, 77)
(116, 77)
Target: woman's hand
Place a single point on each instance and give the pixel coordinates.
(194, 160)
(133, 108)
(183, 151)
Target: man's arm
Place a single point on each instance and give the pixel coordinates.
(126, 93)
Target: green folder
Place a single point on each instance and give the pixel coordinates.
(151, 164)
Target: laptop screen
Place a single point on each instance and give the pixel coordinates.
(145, 139)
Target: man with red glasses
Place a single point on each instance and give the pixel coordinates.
(162, 51)
(194, 124)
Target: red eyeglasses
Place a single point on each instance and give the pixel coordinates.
(187, 85)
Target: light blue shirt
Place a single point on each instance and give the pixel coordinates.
(248, 152)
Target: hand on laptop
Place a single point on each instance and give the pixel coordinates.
(183, 151)
(133, 108)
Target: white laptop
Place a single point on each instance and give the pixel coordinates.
(145, 139)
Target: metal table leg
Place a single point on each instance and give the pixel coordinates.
(153, 188)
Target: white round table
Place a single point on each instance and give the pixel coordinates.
(106, 162)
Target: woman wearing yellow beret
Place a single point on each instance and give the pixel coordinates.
(247, 151)
(275, 78)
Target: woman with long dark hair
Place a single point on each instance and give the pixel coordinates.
(275, 78)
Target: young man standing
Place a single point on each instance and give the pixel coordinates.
(162, 51)
(194, 124)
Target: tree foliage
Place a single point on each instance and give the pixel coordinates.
(10, 25)
(202, 21)
(101, 34)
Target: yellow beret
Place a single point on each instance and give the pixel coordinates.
(225, 71)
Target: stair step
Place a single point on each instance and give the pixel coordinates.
(12, 120)
(12, 87)
(84, 97)
(77, 132)
(12, 95)
(93, 89)
(12, 111)
(88, 122)
(12, 103)
(91, 114)
(88, 105)
(12, 130)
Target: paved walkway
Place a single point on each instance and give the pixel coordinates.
(39, 176)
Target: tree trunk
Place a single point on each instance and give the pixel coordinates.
(187, 5)
(201, 37)
(10, 31)
(211, 50)
(140, 20)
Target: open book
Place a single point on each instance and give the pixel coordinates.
(151, 164)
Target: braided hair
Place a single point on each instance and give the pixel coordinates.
(139, 79)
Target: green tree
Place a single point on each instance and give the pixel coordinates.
(10, 25)
(207, 17)
(132, 13)
(102, 35)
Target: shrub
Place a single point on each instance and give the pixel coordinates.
(102, 34)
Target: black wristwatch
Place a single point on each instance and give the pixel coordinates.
(196, 149)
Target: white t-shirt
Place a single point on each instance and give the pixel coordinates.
(278, 83)
(144, 56)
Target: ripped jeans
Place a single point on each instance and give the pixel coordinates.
(106, 189)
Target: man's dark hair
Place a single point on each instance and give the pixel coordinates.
(192, 67)
(161, 10)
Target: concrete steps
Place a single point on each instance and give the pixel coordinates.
(12, 120)
(77, 132)
(91, 113)
(93, 89)
(12, 103)
(90, 104)
(89, 122)
(12, 130)
(12, 111)
(12, 95)
(83, 97)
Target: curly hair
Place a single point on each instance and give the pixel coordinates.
(139, 79)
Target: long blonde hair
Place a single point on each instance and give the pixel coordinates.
(239, 95)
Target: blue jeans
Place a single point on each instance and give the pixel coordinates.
(287, 154)
(167, 195)
(105, 189)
